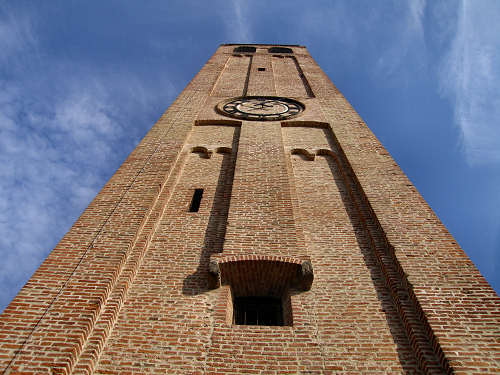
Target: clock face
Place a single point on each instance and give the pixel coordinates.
(261, 108)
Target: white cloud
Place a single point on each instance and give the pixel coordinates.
(58, 144)
(237, 24)
(16, 35)
(416, 15)
(390, 33)
(50, 167)
(408, 39)
(470, 77)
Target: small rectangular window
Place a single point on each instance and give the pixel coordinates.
(258, 311)
(261, 69)
(196, 200)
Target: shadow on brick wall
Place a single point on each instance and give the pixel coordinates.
(197, 282)
(348, 188)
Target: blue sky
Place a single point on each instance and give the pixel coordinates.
(82, 82)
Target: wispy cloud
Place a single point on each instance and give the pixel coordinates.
(58, 145)
(397, 27)
(237, 24)
(470, 77)
(416, 15)
(407, 39)
(16, 35)
(52, 162)
(416, 42)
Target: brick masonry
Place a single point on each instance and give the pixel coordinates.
(141, 285)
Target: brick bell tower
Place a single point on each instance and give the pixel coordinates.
(258, 228)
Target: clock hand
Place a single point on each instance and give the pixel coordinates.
(252, 105)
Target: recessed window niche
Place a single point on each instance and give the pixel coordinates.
(259, 288)
(280, 50)
(262, 311)
(244, 49)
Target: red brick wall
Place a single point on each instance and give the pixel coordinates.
(128, 289)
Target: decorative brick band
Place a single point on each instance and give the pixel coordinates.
(306, 124)
(427, 350)
(105, 321)
(270, 258)
(217, 122)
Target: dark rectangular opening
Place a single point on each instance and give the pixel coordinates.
(258, 311)
(261, 69)
(245, 49)
(196, 200)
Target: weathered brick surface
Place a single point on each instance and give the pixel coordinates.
(130, 288)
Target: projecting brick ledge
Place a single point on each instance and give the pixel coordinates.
(254, 275)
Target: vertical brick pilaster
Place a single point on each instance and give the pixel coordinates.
(261, 79)
(261, 219)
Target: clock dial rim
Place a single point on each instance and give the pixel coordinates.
(232, 108)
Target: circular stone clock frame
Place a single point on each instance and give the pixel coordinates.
(261, 108)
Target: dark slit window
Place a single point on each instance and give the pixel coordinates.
(261, 69)
(195, 202)
(258, 311)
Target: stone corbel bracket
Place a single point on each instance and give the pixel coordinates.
(301, 151)
(202, 151)
(206, 153)
(326, 152)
